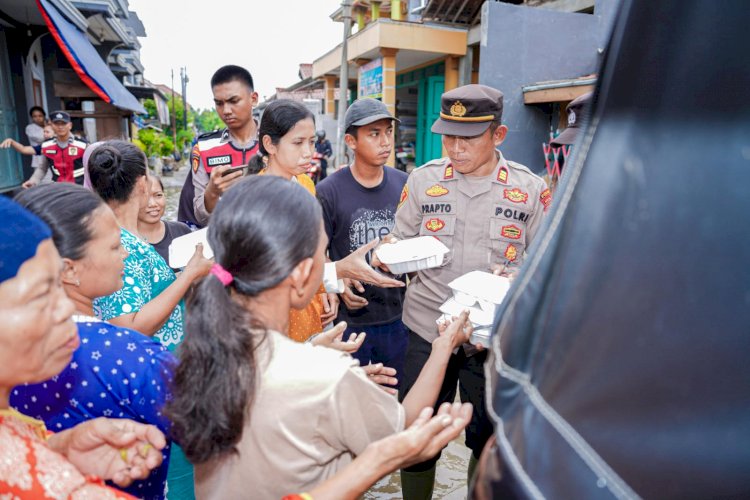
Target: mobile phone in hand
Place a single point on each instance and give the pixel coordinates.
(234, 169)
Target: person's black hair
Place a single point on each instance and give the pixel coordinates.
(114, 168)
(68, 209)
(230, 73)
(255, 165)
(158, 179)
(260, 230)
(279, 118)
(36, 108)
(352, 131)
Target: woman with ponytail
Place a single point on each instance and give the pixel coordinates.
(151, 299)
(259, 415)
(287, 143)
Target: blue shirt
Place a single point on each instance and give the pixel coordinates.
(116, 373)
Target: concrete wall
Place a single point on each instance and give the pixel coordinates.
(523, 45)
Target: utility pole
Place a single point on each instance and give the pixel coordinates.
(184, 78)
(174, 120)
(346, 17)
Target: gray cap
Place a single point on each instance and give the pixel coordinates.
(365, 111)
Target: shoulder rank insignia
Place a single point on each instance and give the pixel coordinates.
(546, 198)
(511, 231)
(448, 172)
(434, 225)
(515, 195)
(436, 190)
(196, 157)
(502, 175)
(404, 196)
(511, 253)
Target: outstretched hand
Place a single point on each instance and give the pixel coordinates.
(334, 338)
(355, 266)
(425, 437)
(454, 332)
(384, 376)
(115, 449)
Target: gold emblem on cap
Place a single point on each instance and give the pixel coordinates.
(458, 109)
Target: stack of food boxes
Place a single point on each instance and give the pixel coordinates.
(480, 293)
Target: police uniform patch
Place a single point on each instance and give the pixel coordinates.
(434, 225)
(217, 161)
(448, 172)
(50, 151)
(72, 150)
(546, 198)
(511, 253)
(404, 196)
(196, 158)
(511, 231)
(515, 195)
(436, 190)
(502, 175)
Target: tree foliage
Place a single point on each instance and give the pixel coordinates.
(208, 120)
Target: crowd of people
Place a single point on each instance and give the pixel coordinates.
(292, 364)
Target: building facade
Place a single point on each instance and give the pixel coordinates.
(408, 53)
(67, 55)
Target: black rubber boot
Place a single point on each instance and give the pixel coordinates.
(418, 485)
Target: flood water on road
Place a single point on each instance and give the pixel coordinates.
(450, 483)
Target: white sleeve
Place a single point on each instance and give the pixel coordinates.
(330, 279)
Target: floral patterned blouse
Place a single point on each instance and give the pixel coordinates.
(29, 469)
(146, 276)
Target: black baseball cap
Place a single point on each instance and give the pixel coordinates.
(60, 116)
(365, 111)
(578, 111)
(468, 111)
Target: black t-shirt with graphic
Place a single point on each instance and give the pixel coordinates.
(355, 215)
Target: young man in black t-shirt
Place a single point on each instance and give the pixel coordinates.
(359, 205)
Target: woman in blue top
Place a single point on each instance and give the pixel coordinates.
(116, 372)
(151, 299)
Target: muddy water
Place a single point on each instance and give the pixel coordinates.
(450, 483)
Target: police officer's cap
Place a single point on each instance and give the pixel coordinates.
(578, 111)
(59, 116)
(468, 111)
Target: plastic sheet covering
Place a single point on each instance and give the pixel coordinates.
(620, 360)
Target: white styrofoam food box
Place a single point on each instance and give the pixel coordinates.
(181, 249)
(415, 254)
(477, 316)
(480, 289)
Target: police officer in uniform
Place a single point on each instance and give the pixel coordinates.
(215, 153)
(63, 154)
(487, 211)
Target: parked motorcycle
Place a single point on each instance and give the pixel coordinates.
(315, 167)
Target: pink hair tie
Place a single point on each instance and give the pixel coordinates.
(224, 276)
